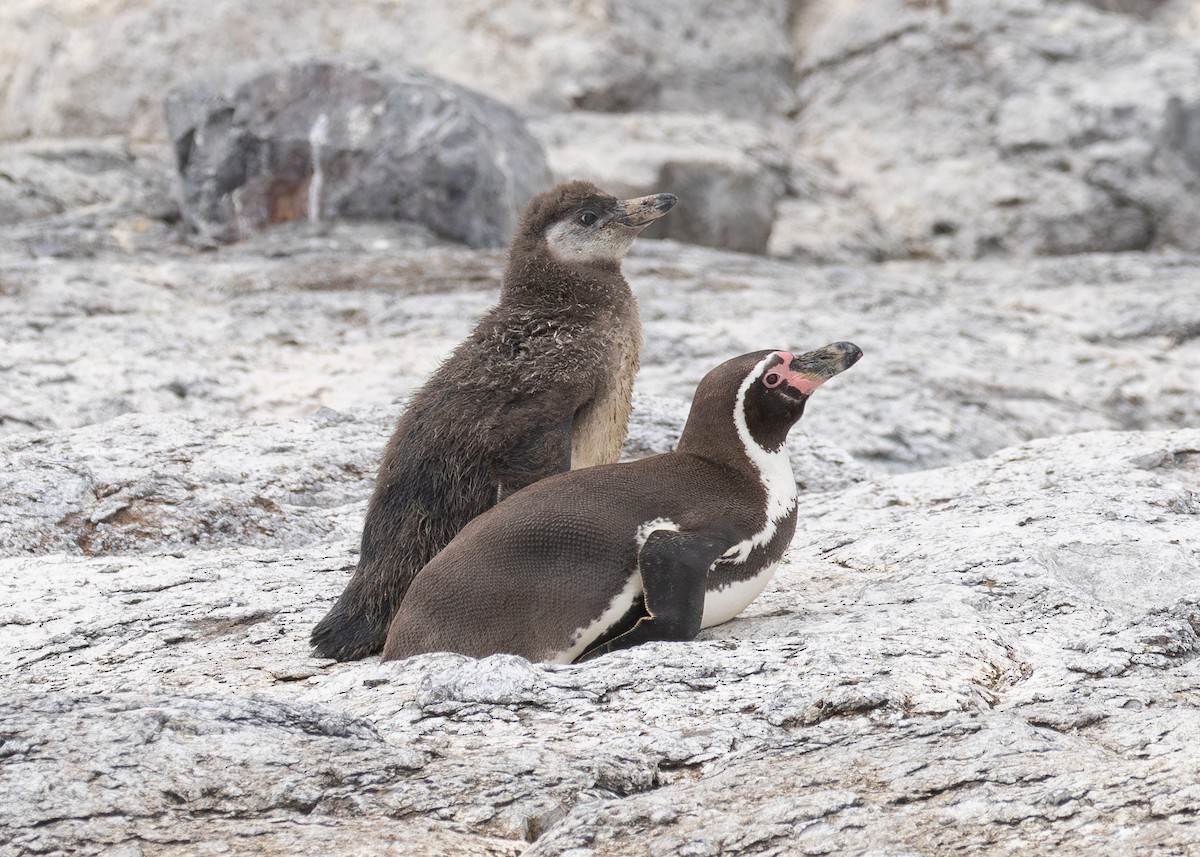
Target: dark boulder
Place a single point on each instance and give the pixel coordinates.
(325, 139)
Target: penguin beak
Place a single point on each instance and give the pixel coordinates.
(643, 210)
(811, 370)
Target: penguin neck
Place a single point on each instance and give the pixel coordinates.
(717, 430)
(539, 278)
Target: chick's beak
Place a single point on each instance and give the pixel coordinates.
(643, 210)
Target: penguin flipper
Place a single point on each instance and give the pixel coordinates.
(674, 569)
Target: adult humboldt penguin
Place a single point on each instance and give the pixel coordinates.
(600, 559)
(542, 384)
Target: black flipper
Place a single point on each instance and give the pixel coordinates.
(674, 568)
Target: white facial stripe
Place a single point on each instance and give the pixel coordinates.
(774, 471)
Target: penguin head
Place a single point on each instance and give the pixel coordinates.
(580, 224)
(777, 388)
(765, 393)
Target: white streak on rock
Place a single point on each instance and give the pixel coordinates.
(318, 136)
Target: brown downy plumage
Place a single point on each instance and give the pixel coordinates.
(542, 384)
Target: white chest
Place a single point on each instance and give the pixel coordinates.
(721, 605)
(600, 428)
(779, 484)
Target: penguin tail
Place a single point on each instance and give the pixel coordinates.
(345, 635)
(357, 624)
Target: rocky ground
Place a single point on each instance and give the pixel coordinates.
(985, 637)
(980, 640)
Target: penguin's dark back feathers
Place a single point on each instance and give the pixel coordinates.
(514, 578)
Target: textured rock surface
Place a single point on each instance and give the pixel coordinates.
(856, 131)
(78, 197)
(72, 68)
(979, 657)
(824, 219)
(730, 173)
(985, 636)
(329, 139)
(973, 357)
(139, 483)
(1012, 127)
(987, 656)
(40, 180)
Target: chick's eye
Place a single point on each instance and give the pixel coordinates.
(772, 379)
(587, 218)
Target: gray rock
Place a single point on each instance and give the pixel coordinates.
(963, 358)
(334, 140)
(1008, 128)
(728, 208)
(202, 335)
(623, 55)
(44, 178)
(183, 749)
(79, 197)
(823, 219)
(72, 68)
(1019, 127)
(90, 491)
(995, 654)
(294, 483)
(986, 635)
(1144, 9)
(727, 173)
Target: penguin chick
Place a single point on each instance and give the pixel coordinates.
(542, 384)
(600, 559)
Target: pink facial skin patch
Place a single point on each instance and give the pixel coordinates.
(783, 374)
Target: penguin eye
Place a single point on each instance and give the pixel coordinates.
(588, 218)
(772, 379)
